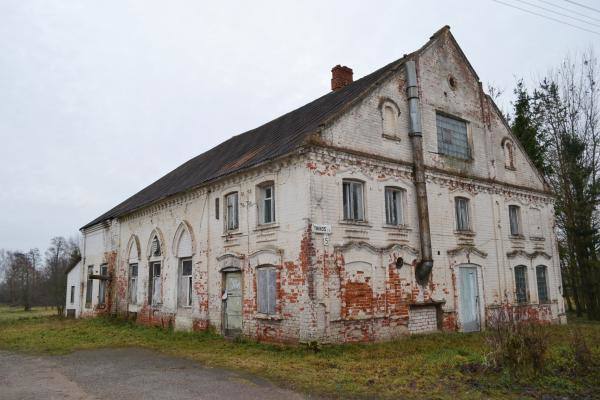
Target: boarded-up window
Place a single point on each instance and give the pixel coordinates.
(542, 283)
(452, 137)
(267, 289)
(185, 282)
(514, 216)
(394, 206)
(133, 279)
(461, 205)
(353, 201)
(521, 283)
(536, 223)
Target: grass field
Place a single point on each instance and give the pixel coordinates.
(437, 366)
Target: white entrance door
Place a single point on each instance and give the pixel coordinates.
(469, 299)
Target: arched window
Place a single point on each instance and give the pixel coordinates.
(509, 154)
(389, 116)
(133, 259)
(154, 272)
(184, 251)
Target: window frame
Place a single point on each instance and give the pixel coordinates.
(217, 208)
(133, 283)
(234, 209)
(348, 201)
(102, 285)
(188, 286)
(262, 200)
(152, 283)
(443, 145)
(517, 220)
(271, 287)
(400, 203)
(72, 296)
(546, 287)
(89, 289)
(467, 227)
(521, 293)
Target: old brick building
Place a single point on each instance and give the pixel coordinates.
(396, 203)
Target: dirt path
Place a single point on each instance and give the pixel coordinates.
(126, 374)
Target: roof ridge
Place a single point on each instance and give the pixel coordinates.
(270, 140)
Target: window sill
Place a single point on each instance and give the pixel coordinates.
(229, 234)
(537, 239)
(464, 233)
(268, 317)
(516, 237)
(391, 137)
(265, 227)
(355, 223)
(459, 159)
(508, 167)
(403, 228)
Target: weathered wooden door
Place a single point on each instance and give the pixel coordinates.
(233, 303)
(469, 299)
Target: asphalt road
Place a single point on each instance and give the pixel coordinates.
(127, 373)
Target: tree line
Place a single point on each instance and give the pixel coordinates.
(557, 122)
(29, 280)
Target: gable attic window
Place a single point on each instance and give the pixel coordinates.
(509, 154)
(452, 137)
(353, 201)
(389, 116)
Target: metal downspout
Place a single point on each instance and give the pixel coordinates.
(425, 265)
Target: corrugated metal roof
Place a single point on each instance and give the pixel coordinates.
(271, 140)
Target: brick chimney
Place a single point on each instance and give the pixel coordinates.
(340, 77)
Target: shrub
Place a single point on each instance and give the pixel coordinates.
(516, 342)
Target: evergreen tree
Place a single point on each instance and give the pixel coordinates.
(526, 128)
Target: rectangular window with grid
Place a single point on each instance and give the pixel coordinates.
(185, 282)
(266, 204)
(353, 201)
(155, 284)
(542, 283)
(394, 206)
(452, 137)
(133, 278)
(102, 285)
(521, 283)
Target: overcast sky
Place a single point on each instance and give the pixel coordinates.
(100, 98)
